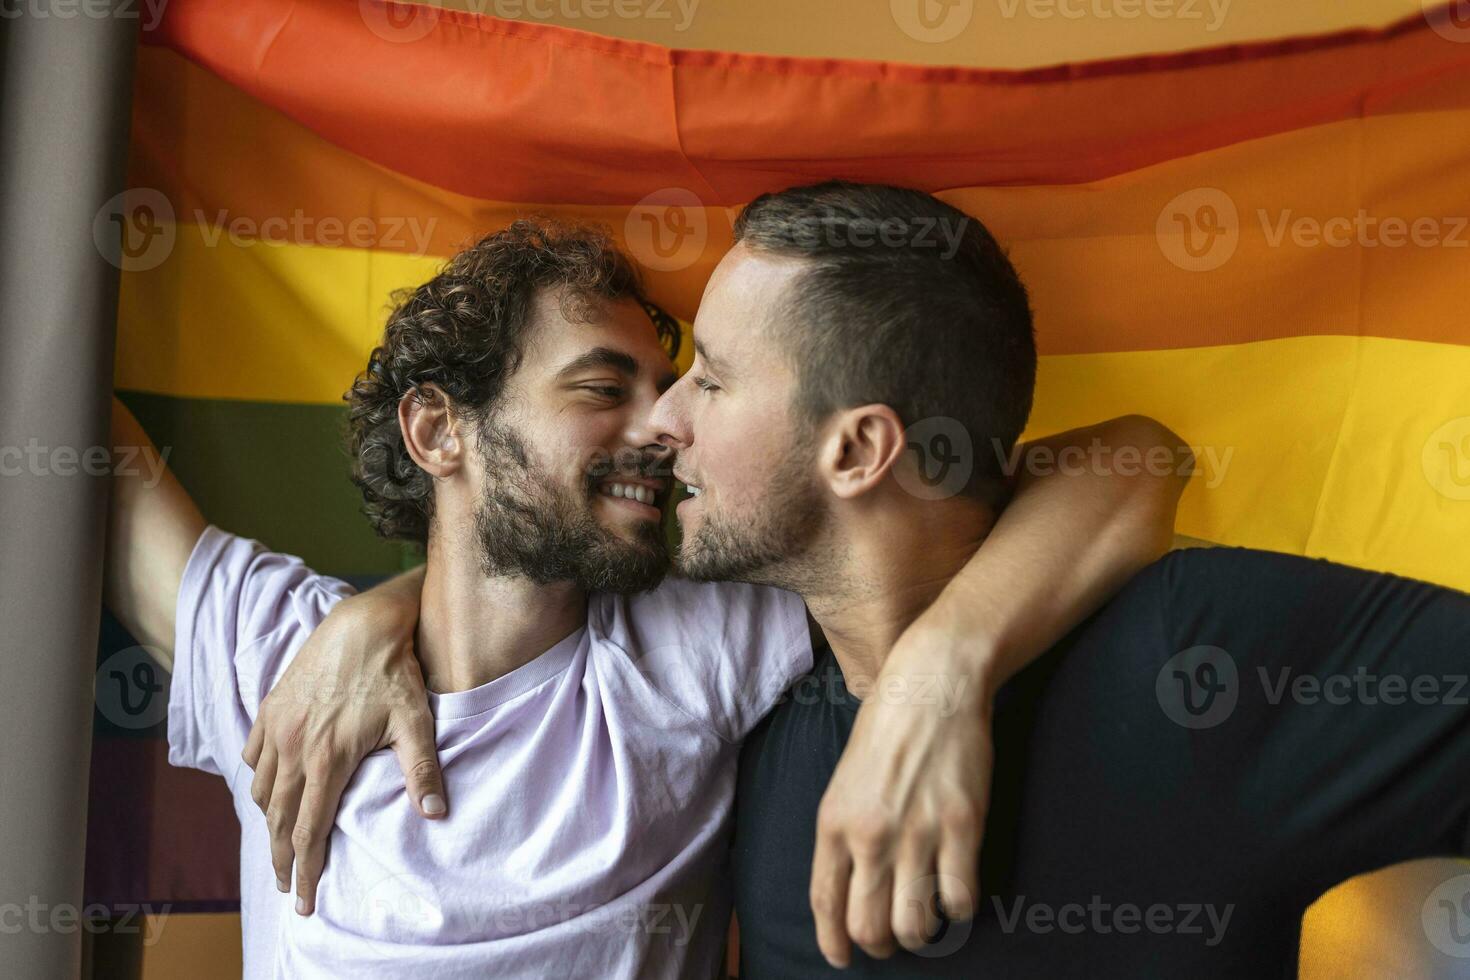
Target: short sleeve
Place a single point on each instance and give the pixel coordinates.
(243, 612)
(724, 652)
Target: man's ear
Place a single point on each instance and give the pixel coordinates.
(432, 432)
(859, 449)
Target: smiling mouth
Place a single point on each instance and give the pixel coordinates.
(693, 490)
(636, 492)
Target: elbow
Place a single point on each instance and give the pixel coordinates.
(1155, 465)
(1145, 447)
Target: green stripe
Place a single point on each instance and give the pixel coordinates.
(274, 472)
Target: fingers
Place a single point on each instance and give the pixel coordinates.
(264, 782)
(913, 914)
(870, 903)
(319, 802)
(831, 871)
(418, 757)
(882, 888)
(255, 742)
(959, 862)
(280, 820)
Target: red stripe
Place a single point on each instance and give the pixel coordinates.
(509, 111)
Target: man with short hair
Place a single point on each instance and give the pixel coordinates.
(1170, 793)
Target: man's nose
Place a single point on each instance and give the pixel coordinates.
(668, 423)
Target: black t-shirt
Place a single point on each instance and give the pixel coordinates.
(1175, 782)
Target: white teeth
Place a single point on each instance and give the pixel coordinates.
(630, 491)
(694, 491)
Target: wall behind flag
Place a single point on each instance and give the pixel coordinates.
(974, 33)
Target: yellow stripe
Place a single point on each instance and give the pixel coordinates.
(1352, 449)
(258, 321)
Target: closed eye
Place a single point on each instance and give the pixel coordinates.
(705, 384)
(605, 391)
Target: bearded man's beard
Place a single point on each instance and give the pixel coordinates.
(773, 546)
(529, 526)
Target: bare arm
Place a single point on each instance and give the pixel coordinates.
(906, 806)
(1078, 526)
(152, 528)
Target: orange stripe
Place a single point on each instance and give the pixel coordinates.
(510, 111)
(1099, 275)
(248, 171)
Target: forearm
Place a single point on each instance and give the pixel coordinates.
(152, 528)
(389, 608)
(363, 639)
(1067, 541)
(916, 781)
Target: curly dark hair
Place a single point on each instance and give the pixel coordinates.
(464, 331)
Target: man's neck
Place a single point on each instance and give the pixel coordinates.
(474, 628)
(894, 563)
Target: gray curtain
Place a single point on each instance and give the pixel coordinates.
(65, 93)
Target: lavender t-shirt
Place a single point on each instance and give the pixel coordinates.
(590, 789)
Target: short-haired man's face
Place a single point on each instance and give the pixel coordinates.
(572, 481)
(742, 448)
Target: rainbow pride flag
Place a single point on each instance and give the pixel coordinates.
(1265, 246)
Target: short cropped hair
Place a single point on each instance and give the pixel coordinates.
(905, 301)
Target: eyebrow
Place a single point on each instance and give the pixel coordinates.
(620, 361)
(600, 357)
(715, 363)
